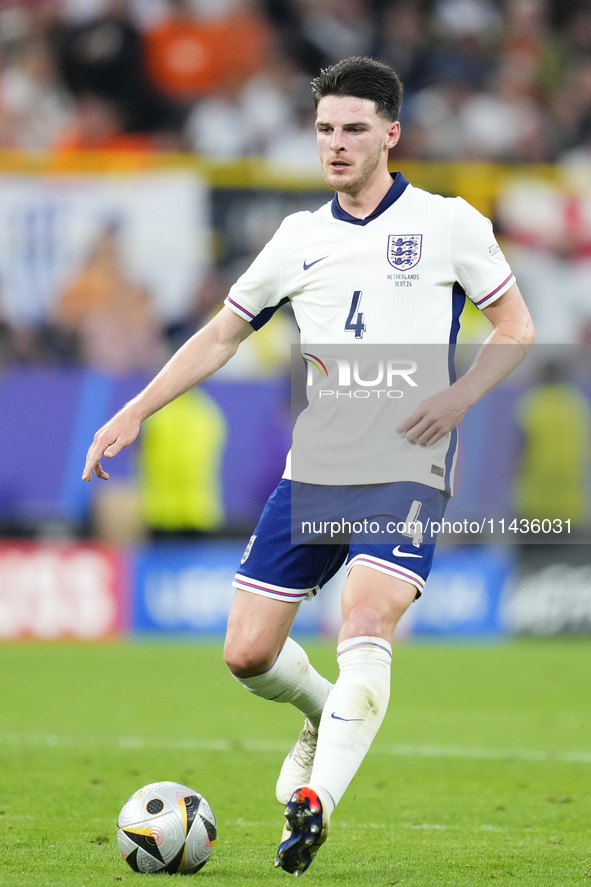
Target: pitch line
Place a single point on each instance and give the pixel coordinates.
(54, 740)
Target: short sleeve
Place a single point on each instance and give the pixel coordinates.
(477, 260)
(257, 294)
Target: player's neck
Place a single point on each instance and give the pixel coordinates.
(362, 204)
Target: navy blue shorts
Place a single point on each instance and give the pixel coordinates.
(288, 566)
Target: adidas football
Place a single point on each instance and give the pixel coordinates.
(166, 827)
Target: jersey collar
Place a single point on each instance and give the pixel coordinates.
(397, 188)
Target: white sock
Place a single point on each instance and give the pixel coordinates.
(352, 716)
(291, 678)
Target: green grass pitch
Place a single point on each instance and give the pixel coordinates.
(480, 774)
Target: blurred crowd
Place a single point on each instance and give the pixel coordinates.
(505, 80)
(485, 80)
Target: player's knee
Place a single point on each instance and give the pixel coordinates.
(375, 621)
(377, 615)
(246, 661)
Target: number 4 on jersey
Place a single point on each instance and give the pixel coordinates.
(356, 326)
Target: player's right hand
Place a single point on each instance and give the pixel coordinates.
(109, 440)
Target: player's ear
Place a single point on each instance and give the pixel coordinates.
(392, 134)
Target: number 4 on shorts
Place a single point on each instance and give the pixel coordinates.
(414, 527)
(355, 326)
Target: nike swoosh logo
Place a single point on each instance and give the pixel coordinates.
(315, 262)
(399, 553)
(337, 718)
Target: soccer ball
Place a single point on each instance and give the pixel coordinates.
(166, 827)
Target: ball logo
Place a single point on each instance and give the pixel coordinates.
(158, 836)
(404, 250)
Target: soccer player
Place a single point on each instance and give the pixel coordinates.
(374, 231)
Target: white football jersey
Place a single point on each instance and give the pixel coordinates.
(399, 276)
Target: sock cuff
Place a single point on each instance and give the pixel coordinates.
(365, 642)
(256, 682)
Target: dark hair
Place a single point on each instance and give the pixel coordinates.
(363, 78)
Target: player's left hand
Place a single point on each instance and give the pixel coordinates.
(434, 418)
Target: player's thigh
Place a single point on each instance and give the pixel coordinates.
(258, 627)
(372, 603)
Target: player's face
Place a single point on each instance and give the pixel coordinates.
(353, 141)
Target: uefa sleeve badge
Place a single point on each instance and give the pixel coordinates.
(247, 550)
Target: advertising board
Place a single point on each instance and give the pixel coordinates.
(54, 591)
(187, 588)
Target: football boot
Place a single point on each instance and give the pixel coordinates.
(306, 829)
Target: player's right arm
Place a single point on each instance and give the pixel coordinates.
(200, 357)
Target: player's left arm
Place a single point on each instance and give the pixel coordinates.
(512, 328)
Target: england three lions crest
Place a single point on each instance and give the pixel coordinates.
(404, 250)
